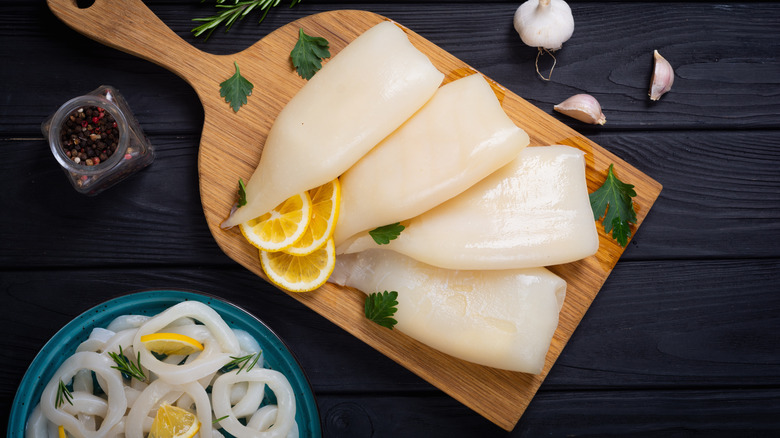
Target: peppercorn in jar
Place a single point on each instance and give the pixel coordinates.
(89, 135)
(97, 140)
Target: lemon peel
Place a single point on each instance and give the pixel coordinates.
(171, 344)
(299, 273)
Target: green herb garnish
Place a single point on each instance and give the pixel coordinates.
(230, 13)
(236, 89)
(308, 53)
(126, 366)
(243, 363)
(63, 395)
(380, 307)
(219, 419)
(383, 235)
(241, 193)
(613, 202)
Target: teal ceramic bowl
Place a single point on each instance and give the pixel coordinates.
(65, 341)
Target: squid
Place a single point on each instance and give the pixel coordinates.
(115, 405)
(357, 99)
(535, 211)
(503, 319)
(458, 138)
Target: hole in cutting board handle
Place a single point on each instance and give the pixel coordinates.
(84, 4)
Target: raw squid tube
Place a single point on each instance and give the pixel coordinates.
(358, 98)
(503, 319)
(535, 211)
(458, 138)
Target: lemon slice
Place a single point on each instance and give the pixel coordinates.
(325, 201)
(282, 226)
(300, 273)
(171, 344)
(61, 432)
(174, 422)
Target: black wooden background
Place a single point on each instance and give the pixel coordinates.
(683, 339)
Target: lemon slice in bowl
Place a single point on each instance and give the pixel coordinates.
(282, 226)
(299, 273)
(171, 344)
(325, 201)
(174, 422)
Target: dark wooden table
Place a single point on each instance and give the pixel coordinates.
(681, 341)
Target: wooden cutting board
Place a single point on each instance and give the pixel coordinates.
(230, 149)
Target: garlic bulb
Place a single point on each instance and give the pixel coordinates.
(582, 107)
(663, 77)
(544, 23)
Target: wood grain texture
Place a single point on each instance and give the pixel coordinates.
(669, 346)
(721, 199)
(723, 82)
(675, 351)
(653, 335)
(231, 147)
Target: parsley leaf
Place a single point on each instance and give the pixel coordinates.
(621, 231)
(380, 307)
(241, 193)
(236, 89)
(383, 235)
(614, 197)
(308, 53)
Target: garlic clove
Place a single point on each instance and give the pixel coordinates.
(582, 107)
(663, 77)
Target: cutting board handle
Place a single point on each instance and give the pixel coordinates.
(128, 25)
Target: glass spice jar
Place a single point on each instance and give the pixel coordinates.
(97, 140)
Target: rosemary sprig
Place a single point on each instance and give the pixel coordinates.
(63, 395)
(243, 363)
(127, 367)
(230, 13)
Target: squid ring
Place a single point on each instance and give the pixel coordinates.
(208, 361)
(114, 387)
(285, 417)
(160, 391)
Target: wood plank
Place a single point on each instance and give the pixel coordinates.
(154, 216)
(654, 414)
(678, 323)
(565, 414)
(716, 184)
(655, 324)
(648, 355)
(721, 193)
(618, 65)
